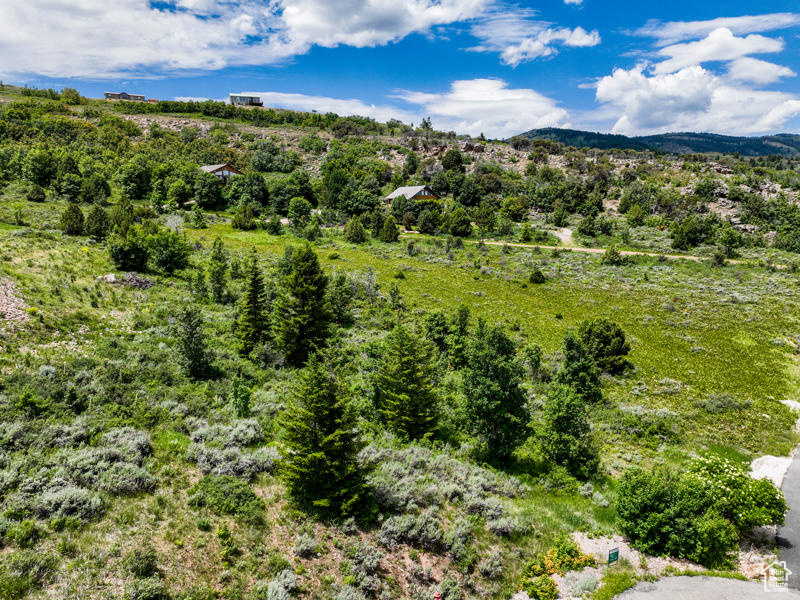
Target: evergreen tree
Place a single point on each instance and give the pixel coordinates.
(389, 232)
(218, 271)
(240, 398)
(354, 231)
(495, 404)
(606, 343)
(457, 341)
(321, 468)
(376, 222)
(199, 286)
(198, 217)
(97, 223)
(252, 324)
(72, 219)
(302, 313)
(192, 346)
(565, 434)
(405, 396)
(579, 370)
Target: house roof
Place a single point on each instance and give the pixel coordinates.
(213, 168)
(408, 191)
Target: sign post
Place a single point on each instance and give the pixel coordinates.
(613, 556)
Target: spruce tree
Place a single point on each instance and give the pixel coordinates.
(192, 346)
(218, 271)
(321, 467)
(565, 434)
(252, 324)
(302, 314)
(494, 402)
(406, 399)
(97, 223)
(389, 231)
(72, 219)
(579, 370)
(198, 283)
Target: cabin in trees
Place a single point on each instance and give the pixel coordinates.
(124, 96)
(223, 172)
(240, 100)
(412, 192)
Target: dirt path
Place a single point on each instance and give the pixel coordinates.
(565, 235)
(12, 308)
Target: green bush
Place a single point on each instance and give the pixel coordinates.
(541, 588)
(129, 252)
(355, 232)
(71, 221)
(606, 342)
(168, 250)
(141, 562)
(537, 276)
(97, 223)
(227, 495)
(23, 571)
(699, 515)
(151, 588)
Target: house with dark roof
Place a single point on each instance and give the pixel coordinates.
(124, 96)
(241, 100)
(223, 172)
(412, 192)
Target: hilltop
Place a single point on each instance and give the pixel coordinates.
(783, 144)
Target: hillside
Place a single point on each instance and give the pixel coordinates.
(285, 388)
(784, 144)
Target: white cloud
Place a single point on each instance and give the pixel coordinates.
(101, 39)
(691, 99)
(576, 2)
(757, 71)
(471, 106)
(675, 31)
(488, 106)
(718, 45)
(518, 37)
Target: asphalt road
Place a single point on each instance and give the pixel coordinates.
(789, 534)
(703, 588)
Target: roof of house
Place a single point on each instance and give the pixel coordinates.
(213, 168)
(408, 191)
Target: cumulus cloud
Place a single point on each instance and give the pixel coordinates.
(488, 106)
(691, 99)
(95, 38)
(719, 45)
(473, 106)
(686, 89)
(676, 31)
(757, 71)
(518, 37)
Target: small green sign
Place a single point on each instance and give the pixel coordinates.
(613, 556)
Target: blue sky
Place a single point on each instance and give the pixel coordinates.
(471, 65)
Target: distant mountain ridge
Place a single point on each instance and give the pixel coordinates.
(785, 144)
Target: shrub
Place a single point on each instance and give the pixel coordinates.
(459, 223)
(564, 555)
(244, 218)
(131, 443)
(698, 516)
(355, 232)
(151, 588)
(389, 232)
(636, 216)
(421, 531)
(227, 495)
(541, 588)
(720, 402)
(141, 562)
(305, 546)
(587, 226)
(129, 252)
(126, 478)
(24, 534)
(168, 250)
(491, 567)
(23, 571)
(97, 223)
(536, 276)
(71, 221)
(612, 257)
(606, 342)
(69, 501)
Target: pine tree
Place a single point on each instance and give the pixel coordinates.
(218, 271)
(198, 217)
(199, 287)
(565, 434)
(389, 231)
(302, 313)
(252, 325)
(321, 468)
(495, 404)
(97, 223)
(192, 345)
(240, 398)
(72, 219)
(579, 370)
(405, 396)
(457, 341)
